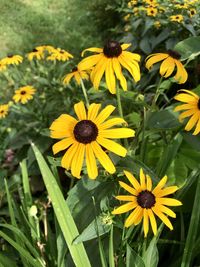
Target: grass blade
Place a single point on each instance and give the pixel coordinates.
(111, 250)
(62, 212)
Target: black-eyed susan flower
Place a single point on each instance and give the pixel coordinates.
(109, 61)
(24, 94)
(192, 12)
(191, 109)
(35, 54)
(3, 110)
(85, 137)
(176, 18)
(77, 74)
(157, 24)
(11, 60)
(146, 203)
(59, 54)
(151, 11)
(170, 61)
(182, 6)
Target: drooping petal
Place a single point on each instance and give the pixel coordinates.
(181, 74)
(192, 121)
(186, 114)
(67, 78)
(118, 133)
(124, 208)
(154, 58)
(77, 161)
(166, 210)
(131, 67)
(133, 181)
(132, 56)
(91, 162)
(67, 158)
(145, 222)
(152, 221)
(185, 107)
(163, 218)
(133, 216)
(197, 130)
(110, 77)
(92, 49)
(99, 71)
(88, 62)
(62, 145)
(112, 146)
(119, 74)
(103, 158)
(167, 67)
(79, 108)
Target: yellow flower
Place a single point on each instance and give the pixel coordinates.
(151, 11)
(77, 74)
(132, 3)
(3, 110)
(86, 137)
(24, 94)
(109, 61)
(37, 54)
(146, 202)
(192, 12)
(157, 24)
(126, 18)
(182, 6)
(2, 66)
(59, 54)
(150, 2)
(11, 60)
(170, 62)
(177, 18)
(190, 109)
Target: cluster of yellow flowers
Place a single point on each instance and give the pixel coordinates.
(174, 11)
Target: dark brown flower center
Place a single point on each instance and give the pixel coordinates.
(174, 54)
(2, 111)
(34, 50)
(112, 49)
(146, 199)
(74, 69)
(9, 55)
(23, 92)
(85, 131)
(198, 104)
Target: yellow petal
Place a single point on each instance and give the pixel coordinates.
(154, 58)
(152, 221)
(186, 98)
(197, 130)
(67, 158)
(133, 216)
(67, 78)
(190, 93)
(91, 162)
(132, 56)
(181, 74)
(112, 146)
(168, 201)
(119, 75)
(131, 67)
(145, 222)
(93, 111)
(99, 71)
(110, 77)
(160, 185)
(186, 114)
(125, 46)
(118, 133)
(192, 121)
(163, 218)
(166, 210)
(62, 145)
(167, 191)
(142, 180)
(149, 183)
(103, 158)
(77, 161)
(185, 106)
(92, 49)
(104, 114)
(111, 122)
(133, 181)
(88, 62)
(167, 67)
(126, 198)
(124, 208)
(128, 188)
(79, 108)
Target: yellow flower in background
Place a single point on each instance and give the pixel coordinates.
(182, 6)
(192, 12)
(151, 11)
(87, 137)
(126, 18)
(157, 24)
(146, 203)
(109, 61)
(177, 18)
(150, 2)
(132, 3)
(77, 74)
(170, 61)
(191, 109)
(3, 110)
(2, 66)
(11, 60)
(59, 54)
(35, 54)
(24, 94)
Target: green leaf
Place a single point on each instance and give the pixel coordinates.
(150, 256)
(90, 231)
(6, 261)
(62, 212)
(132, 258)
(111, 249)
(189, 48)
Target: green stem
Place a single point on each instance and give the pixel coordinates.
(157, 93)
(85, 94)
(193, 229)
(119, 104)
